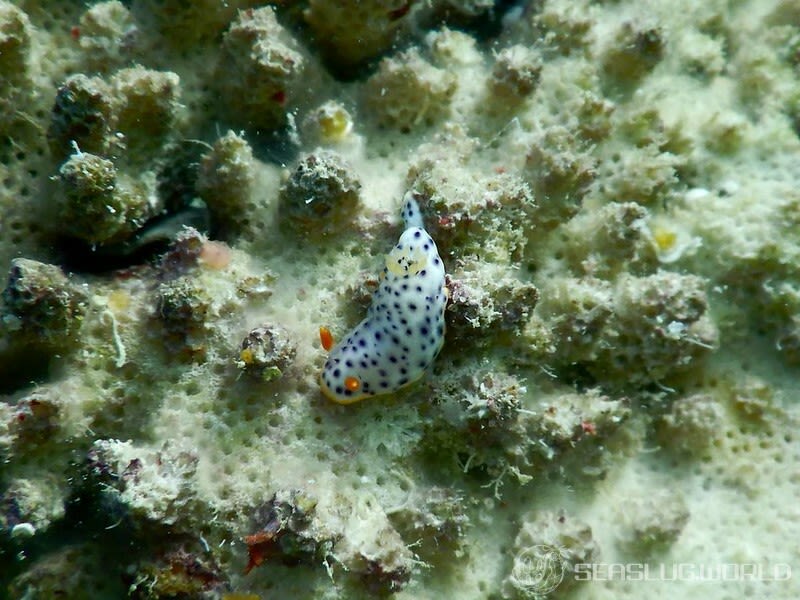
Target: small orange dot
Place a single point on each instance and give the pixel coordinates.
(352, 383)
(326, 338)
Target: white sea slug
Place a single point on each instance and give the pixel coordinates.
(404, 327)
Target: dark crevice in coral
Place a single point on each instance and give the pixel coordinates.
(276, 147)
(578, 376)
(485, 26)
(178, 176)
(90, 518)
(145, 247)
(23, 367)
(78, 257)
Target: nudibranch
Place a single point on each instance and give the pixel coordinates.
(404, 327)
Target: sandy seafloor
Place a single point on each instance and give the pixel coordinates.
(613, 187)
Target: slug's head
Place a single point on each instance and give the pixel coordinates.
(345, 377)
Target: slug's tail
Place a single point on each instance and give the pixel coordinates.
(412, 217)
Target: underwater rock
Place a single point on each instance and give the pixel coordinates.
(289, 533)
(559, 169)
(177, 570)
(641, 330)
(321, 195)
(82, 116)
(66, 572)
(435, 521)
(106, 29)
(225, 180)
(635, 51)
(99, 205)
(42, 305)
(154, 485)
(15, 40)
(267, 352)
(29, 505)
(261, 72)
(546, 551)
(181, 23)
(350, 32)
(491, 216)
(604, 241)
(652, 523)
(515, 73)
(182, 307)
(692, 424)
(407, 92)
(147, 107)
(481, 308)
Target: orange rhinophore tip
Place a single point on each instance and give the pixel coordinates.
(352, 383)
(326, 338)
